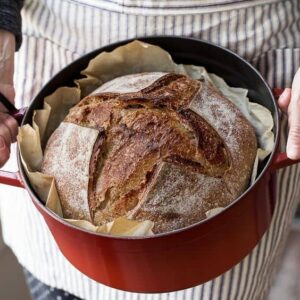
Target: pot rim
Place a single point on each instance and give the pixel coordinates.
(148, 39)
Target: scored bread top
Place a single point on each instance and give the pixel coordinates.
(169, 148)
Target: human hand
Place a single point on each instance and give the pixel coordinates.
(289, 101)
(8, 125)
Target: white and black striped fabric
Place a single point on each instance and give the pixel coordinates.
(58, 31)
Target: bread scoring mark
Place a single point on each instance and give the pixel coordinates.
(209, 141)
(95, 168)
(234, 129)
(179, 197)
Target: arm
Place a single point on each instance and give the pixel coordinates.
(8, 125)
(10, 40)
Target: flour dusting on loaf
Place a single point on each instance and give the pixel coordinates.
(129, 84)
(67, 158)
(151, 146)
(238, 134)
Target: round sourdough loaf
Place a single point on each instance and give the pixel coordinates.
(151, 146)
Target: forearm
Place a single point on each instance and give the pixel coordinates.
(7, 50)
(10, 19)
(8, 126)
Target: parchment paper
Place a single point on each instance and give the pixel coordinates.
(135, 57)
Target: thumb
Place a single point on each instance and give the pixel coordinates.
(293, 144)
(8, 91)
(285, 99)
(4, 152)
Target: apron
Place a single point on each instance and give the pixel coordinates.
(58, 31)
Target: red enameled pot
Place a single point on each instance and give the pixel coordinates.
(185, 257)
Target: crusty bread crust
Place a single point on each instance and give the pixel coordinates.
(169, 149)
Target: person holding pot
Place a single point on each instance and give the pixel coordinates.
(54, 33)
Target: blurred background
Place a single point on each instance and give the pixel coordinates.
(12, 282)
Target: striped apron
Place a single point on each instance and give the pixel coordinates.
(58, 31)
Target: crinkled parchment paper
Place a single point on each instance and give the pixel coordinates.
(135, 57)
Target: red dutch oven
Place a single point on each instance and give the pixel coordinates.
(189, 256)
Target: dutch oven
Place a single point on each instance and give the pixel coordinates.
(189, 256)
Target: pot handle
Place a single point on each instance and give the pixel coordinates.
(11, 178)
(19, 115)
(281, 160)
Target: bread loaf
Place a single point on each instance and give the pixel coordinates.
(151, 146)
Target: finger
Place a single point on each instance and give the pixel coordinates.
(11, 124)
(8, 91)
(293, 143)
(5, 134)
(285, 99)
(4, 152)
(296, 82)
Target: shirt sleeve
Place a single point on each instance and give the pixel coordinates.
(10, 18)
